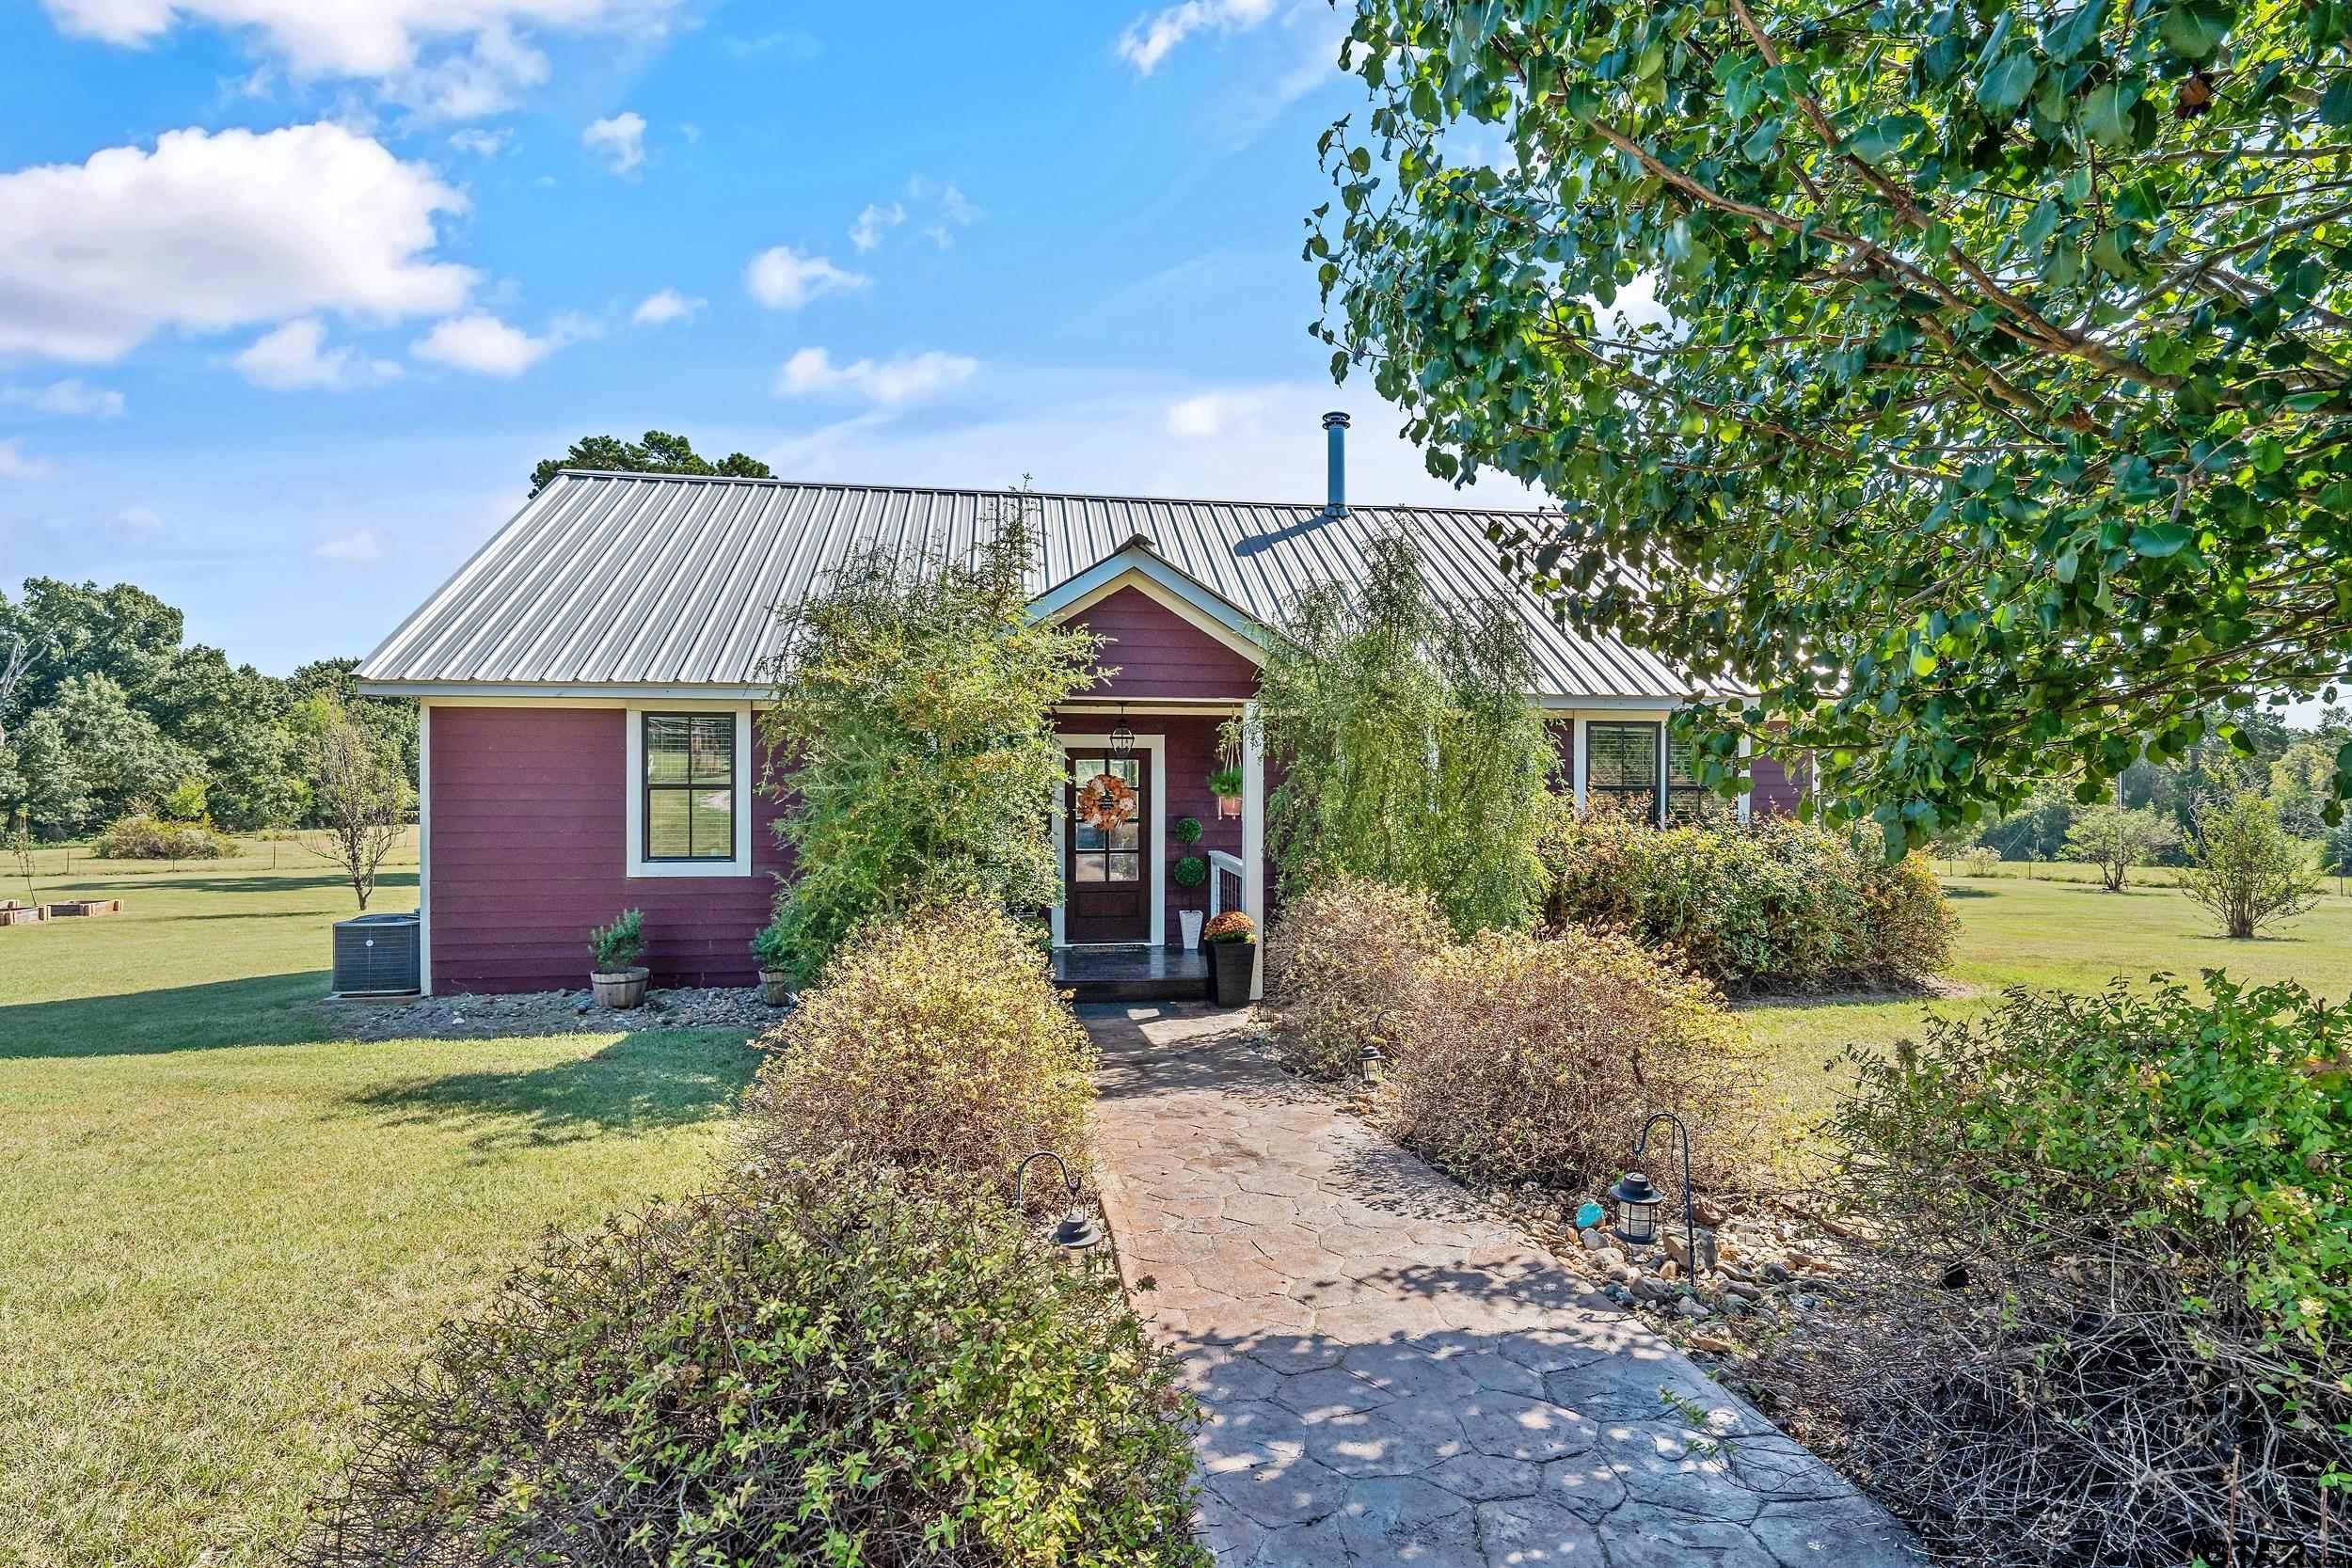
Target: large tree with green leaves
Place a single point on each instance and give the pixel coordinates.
(1995, 414)
(660, 452)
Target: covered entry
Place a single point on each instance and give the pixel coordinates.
(1109, 846)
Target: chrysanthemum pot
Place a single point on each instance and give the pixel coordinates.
(619, 987)
(1231, 966)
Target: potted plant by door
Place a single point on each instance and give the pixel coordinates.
(775, 977)
(618, 979)
(1225, 784)
(1188, 873)
(1233, 944)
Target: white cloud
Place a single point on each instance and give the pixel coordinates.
(70, 396)
(451, 58)
(357, 546)
(483, 343)
(866, 232)
(1148, 40)
(480, 143)
(209, 232)
(1207, 414)
(665, 305)
(146, 519)
(621, 138)
(15, 465)
(811, 372)
(782, 279)
(295, 357)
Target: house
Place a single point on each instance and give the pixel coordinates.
(589, 680)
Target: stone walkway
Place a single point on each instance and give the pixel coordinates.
(1394, 1376)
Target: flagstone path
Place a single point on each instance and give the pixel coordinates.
(1392, 1375)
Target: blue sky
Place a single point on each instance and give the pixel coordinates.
(293, 293)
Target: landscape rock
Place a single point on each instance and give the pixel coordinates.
(551, 1012)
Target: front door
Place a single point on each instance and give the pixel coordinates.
(1106, 817)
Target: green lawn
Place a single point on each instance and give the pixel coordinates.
(2062, 935)
(224, 1224)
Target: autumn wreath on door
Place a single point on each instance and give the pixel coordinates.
(1106, 800)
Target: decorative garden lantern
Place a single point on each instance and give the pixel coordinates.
(1372, 1061)
(1637, 1209)
(1076, 1238)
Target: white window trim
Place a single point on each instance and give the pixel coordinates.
(1157, 745)
(637, 865)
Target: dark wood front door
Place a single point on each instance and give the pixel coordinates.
(1107, 872)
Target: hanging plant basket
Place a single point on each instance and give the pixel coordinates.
(1106, 800)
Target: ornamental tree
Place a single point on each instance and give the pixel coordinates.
(1993, 418)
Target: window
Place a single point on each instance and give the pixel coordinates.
(1686, 800)
(689, 786)
(1621, 766)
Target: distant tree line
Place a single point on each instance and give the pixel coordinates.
(110, 711)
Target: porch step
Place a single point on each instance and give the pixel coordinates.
(1132, 974)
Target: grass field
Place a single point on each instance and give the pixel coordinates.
(224, 1224)
(2053, 935)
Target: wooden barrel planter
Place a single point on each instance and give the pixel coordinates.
(87, 907)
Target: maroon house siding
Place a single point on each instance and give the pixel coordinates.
(1157, 653)
(1775, 787)
(530, 822)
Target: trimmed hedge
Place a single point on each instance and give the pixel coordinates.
(835, 1368)
(1781, 904)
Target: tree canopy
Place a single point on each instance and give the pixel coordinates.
(660, 452)
(1972, 380)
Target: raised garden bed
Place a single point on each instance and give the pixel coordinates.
(87, 906)
(23, 915)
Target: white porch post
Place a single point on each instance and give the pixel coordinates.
(1583, 754)
(1253, 837)
(1747, 802)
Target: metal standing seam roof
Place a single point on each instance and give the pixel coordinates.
(673, 580)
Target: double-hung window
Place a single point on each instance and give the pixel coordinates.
(1686, 798)
(690, 783)
(1621, 766)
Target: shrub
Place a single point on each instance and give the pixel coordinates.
(2245, 869)
(1779, 904)
(1343, 963)
(616, 947)
(838, 1369)
(142, 837)
(914, 740)
(2116, 841)
(1536, 1059)
(937, 1045)
(772, 948)
(2103, 1316)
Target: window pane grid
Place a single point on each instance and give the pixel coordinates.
(1621, 765)
(689, 786)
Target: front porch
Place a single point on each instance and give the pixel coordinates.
(1131, 973)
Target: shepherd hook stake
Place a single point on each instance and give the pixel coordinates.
(1690, 1227)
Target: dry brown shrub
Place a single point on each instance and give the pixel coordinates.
(1342, 964)
(1537, 1059)
(937, 1045)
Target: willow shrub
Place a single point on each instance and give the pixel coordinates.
(1533, 1059)
(913, 739)
(1342, 962)
(935, 1044)
(1407, 749)
(1779, 904)
(837, 1369)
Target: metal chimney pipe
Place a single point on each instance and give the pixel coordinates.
(1335, 432)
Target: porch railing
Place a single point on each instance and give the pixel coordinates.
(1222, 866)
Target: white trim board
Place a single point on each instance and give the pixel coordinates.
(1162, 584)
(633, 786)
(424, 848)
(1157, 745)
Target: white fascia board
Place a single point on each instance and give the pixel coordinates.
(557, 692)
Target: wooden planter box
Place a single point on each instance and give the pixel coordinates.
(87, 906)
(21, 914)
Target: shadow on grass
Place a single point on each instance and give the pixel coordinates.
(267, 1009)
(167, 880)
(641, 1083)
(1952, 892)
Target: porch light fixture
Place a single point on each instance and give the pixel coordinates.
(1122, 739)
(1638, 1200)
(1077, 1236)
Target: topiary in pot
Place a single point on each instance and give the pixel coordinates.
(617, 979)
(1190, 872)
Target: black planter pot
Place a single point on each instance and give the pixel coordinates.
(1230, 967)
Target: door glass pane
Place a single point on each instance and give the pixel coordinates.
(1087, 868)
(1087, 836)
(668, 835)
(1127, 868)
(1126, 835)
